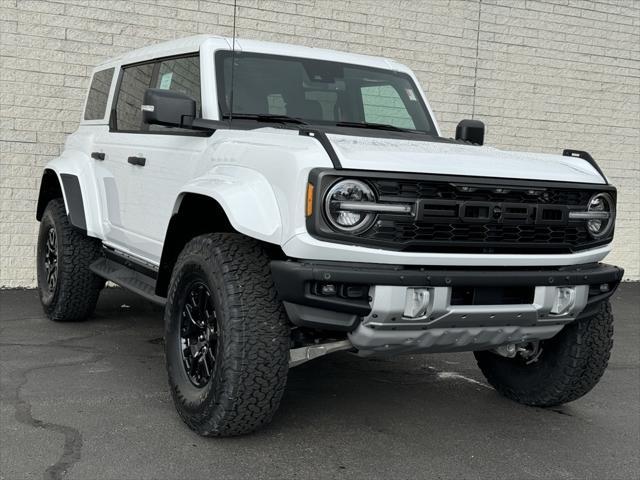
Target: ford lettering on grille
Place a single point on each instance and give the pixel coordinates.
(491, 212)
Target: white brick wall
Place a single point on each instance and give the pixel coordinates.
(543, 75)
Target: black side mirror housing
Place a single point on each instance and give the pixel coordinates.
(471, 131)
(168, 108)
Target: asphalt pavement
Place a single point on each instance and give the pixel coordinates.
(90, 401)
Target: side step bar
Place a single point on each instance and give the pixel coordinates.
(128, 278)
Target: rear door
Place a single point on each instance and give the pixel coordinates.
(147, 164)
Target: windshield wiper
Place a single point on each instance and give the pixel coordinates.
(266, 117)
(375, 126)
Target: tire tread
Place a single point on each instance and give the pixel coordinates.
(580, 357)
(79, 288)
(256, 349)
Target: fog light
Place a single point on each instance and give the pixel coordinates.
(416, 303)
(604, 287)
(564, 301)
(328, 289)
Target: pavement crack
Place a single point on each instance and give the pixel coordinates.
(71, 452)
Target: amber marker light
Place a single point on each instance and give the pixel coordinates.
(309, 209)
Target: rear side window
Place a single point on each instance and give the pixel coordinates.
(178, 74)
(98, 95)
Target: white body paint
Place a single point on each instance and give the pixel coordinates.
(259, 176)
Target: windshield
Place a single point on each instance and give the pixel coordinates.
(320, 92)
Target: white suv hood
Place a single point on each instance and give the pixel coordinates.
(393, 155)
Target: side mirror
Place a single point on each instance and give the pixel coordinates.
(168, 108)
(471, 131)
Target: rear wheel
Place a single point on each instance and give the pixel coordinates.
(68, 289)
(226, 336)
(558, 370)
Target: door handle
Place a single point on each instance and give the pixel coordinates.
(140, 161)
(97, 155)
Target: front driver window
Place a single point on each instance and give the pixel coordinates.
(178, 74)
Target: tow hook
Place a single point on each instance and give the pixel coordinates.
(529, 351)
(510, 350)
(298, 356)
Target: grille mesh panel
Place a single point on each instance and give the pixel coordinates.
(445, 191)
(491, 235)
(449, 232)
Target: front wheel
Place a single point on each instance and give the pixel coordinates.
(226, 336)
(558, 370)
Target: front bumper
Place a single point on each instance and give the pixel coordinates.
(375, 320)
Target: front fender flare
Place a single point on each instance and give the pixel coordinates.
(246, 197)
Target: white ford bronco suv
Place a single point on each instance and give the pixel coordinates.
(285, 202)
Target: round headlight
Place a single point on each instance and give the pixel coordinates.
(600, 227)
(340, 206)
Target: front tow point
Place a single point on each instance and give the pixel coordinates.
(564, 300)
(417, 303)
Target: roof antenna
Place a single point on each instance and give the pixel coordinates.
(233, 59)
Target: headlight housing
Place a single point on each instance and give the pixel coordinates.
(600, 215)
(344, 206)
(602, 205)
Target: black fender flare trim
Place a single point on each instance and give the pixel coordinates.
(50, 188)
(73, 196)
(325, 142)
(568, 152)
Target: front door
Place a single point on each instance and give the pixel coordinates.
(146, 164)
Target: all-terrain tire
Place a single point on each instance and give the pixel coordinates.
(570, 364)
(72, 296)
(252, 341)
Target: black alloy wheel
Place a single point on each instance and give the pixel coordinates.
(50, 254)
(199, 335)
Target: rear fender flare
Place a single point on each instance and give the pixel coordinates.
(77, 185)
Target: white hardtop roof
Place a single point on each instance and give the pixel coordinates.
(194, 43)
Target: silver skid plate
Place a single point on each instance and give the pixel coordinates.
(458, 327)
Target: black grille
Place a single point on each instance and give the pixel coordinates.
(493, 236)
(476, 217)
(406, 189)
(466, 214)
